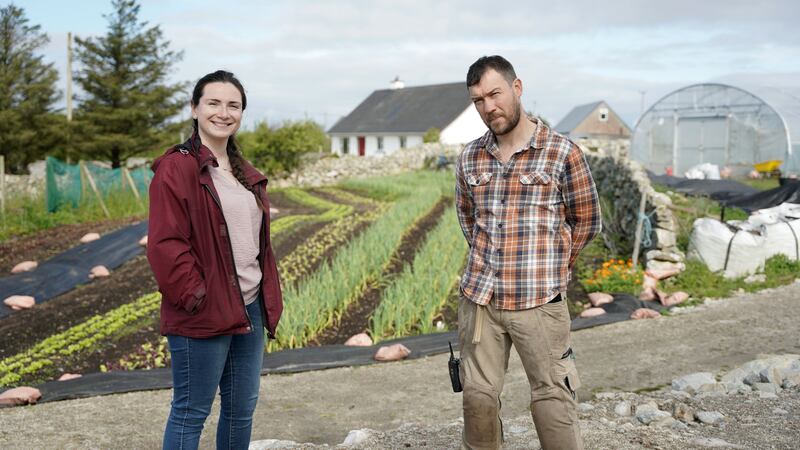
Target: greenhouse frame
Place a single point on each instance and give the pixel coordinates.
(720, 124)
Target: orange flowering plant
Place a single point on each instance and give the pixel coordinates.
(615, 275)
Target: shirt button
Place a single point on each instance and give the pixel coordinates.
(503, 201)
(506, 175)
(499, 252)
(499, 225)
(497, 274)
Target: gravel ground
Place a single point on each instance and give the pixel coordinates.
(411, 403)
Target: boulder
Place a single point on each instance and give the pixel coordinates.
(359, 340)
(592, 312)
(623, 409)
(674, 299)
(645, 313)
(89, 237)
(692, 383)
(17, 302)
(600, 298)
(25, 266)
(394, 352)
(69, 376)
(20, 396)
(99, 272)
(683, 412)
(710, 417)
(356, 437)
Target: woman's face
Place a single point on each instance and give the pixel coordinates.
(219, 111)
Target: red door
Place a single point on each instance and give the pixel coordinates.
(362, 146)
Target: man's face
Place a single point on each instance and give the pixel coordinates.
(497, 101)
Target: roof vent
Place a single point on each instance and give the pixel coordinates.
(397, 83)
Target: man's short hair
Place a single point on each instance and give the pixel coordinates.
(495, 62)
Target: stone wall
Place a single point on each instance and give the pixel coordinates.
(622, 182)
(331, 169)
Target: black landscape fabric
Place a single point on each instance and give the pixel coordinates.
(309, 358)
(789, 192)
(715, 189)
(66, 270)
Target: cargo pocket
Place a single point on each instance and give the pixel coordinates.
(567, 373)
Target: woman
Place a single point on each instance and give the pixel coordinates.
(209, 248)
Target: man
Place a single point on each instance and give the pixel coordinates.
(527, 205)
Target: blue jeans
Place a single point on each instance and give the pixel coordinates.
(199, 366)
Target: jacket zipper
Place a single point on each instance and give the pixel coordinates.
(233, 261)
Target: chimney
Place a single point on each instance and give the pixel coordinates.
(397, 83)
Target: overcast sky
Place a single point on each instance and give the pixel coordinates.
(319, 59)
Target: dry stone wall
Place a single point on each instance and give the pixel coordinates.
(622, 182)
(331, 170)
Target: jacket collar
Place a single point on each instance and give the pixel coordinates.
(205, 157)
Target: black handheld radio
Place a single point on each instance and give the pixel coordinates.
(454, 364)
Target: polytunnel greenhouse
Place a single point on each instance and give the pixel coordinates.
(720, 124)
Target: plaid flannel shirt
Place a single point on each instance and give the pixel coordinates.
(525, 221)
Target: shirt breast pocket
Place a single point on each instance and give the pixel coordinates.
(539, 190)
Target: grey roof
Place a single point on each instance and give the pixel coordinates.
(575, 117)
(406, 110)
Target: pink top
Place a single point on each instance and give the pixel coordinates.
(243, 218)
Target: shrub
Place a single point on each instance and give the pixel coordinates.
(278, 150)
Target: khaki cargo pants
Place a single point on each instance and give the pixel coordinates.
(541, 337)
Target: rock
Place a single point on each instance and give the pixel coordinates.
(772, 375)
(517, 429)
(270, 444)
(710, 417)
(99, 272)
(623, 409)
(683, 412)
(25, 266)
(356, 437)
(755, 278)
(678, 425)
(592, 312)
(69, 376)
(585, 408)
(600, 298)
(143, 241)
(664, 238)
(767, 395)
(656, 266)
(766, 387)
(394, 352)
(17, 302)
(691, 383)
(359, 340)
(779, 411)
(713, 443)
(648, 294)
(675, 298)
(736, 388)
(645, 313)
(713, 389)
(651, 415)
(649, 282)
(23, 395)
(89, 237)
(791, 380)
(660, 255)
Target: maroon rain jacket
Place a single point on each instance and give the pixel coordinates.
(190, 253)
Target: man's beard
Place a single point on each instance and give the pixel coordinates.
(512, 122)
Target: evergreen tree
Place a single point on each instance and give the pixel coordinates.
(28, 126)
(126, 103)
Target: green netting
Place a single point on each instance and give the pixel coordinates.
(67, 187)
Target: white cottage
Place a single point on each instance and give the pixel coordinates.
(398, 117)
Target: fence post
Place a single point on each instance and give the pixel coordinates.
(94, 188)
(637, 240)
(127, 175)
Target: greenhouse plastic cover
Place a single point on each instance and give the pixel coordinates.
(736, 124)
(66, 270)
